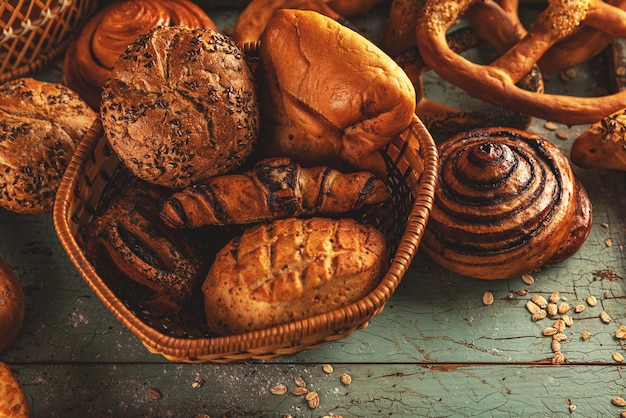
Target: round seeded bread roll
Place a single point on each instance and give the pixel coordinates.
(40, 126)
(12, 306)
(289, 270)
(180, 106)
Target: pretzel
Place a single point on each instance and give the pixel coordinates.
(444, 119)
(495, 83)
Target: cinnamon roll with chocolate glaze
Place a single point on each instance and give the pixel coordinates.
(90, 57)
(507, 203)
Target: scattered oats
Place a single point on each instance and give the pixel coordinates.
(621, 332)
(528, 279)
(154, 394)
(618, 401)
(604, 225)
(567, 75)
(591, 300)
(345, 378)
(579, 308)
(538, 316)
(558, 358)
(620, 71)
(567, 320)
(532, 307)
(552, 309)
(559, 325)
(551, 126)
(510, 296)
(556, 346)
(584, 336)
(608, 242)
(287, 415)
(279, 389)
(549, 331)
(299, 381)
(522, 292)
(562, 307)
(299, 390)
(487, 298)
(618, 357)
(605, 317)
(622, 414)
(197, 383)
(327, 368)
(554, 297)
(559, 336)
(313, 399)
(540, 301)
(606, 294)
(572, 407)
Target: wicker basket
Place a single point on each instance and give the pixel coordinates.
(34, 32)
(95, 175)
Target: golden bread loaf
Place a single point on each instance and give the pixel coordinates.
(328, 95)
(13, 402)
(180, 106)
(289, 270)
(12, 306)
(41, 125)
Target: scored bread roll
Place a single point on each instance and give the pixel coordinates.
(90, 57)
(41, 125)
(289, 270)
(328, 95)
(12, 306)
(180, 106)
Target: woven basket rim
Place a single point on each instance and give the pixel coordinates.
(287, 337)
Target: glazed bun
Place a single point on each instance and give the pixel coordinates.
(41, 125)
(180, 106)
(91, 55)
(328, 95)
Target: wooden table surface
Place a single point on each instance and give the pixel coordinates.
(436, 350)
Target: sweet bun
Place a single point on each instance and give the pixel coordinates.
(506, 203)
(12, 306)
(91, 55)
(180, 106)
(328, 95)
(289, 270)
(41, 125)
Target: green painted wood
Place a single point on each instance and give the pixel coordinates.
(435, 350)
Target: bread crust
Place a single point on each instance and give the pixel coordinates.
(12, 306)
(41, 125)
(289, 270)
(329, 96)
(180, 106)
(12, 399)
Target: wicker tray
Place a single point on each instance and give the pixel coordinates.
(95, 175)
(34, 32)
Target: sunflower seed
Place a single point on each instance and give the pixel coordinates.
(313, 399)
(487, 298)
(591, 300)
(299, 381)
(279, 389)
(605, 317)
(528, 279)
(299, 390)
(345, 378)
(154, 394)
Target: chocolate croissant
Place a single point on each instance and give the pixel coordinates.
(90, 57)
(274, 188)
(507, 203)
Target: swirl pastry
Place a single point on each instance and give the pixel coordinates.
(507, 203)
(163, 261)
(90, 57)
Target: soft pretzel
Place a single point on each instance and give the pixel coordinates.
(443, 119)
(495, 83)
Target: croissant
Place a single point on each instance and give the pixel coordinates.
(90, 57)
(506, 203)
(603, 144)
(274, 188)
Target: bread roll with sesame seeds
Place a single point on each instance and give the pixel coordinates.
(180, 106)
(41, 125)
